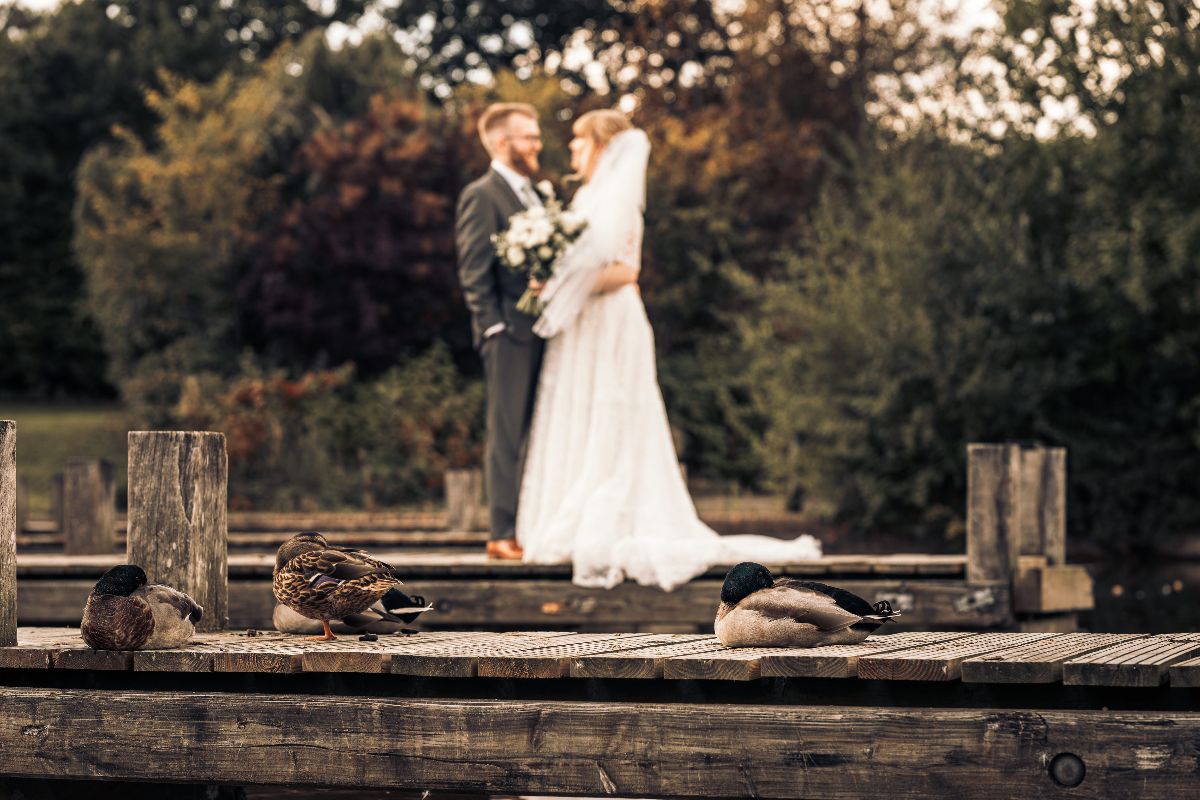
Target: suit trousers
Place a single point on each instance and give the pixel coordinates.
(511, 368)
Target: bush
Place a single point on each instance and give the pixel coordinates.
(324, 440)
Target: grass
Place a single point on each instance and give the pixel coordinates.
(50, 433)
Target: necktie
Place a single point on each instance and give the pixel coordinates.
(528, 196)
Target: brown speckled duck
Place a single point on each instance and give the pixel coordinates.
(760, 610)
(124, 613)
(322, 582)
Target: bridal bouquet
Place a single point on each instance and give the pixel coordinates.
(534, 240)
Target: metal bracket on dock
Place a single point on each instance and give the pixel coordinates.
(977, 600)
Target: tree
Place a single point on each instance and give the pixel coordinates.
(360, 264)
(66, 78)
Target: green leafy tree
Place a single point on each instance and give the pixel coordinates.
(66, 78)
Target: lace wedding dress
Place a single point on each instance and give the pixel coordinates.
(602, 488)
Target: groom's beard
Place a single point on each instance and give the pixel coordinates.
(526, 164)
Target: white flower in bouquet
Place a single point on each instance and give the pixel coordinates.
(546, 188)
(572, 222)
(534, 240)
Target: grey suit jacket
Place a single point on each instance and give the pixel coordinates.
(491, 289)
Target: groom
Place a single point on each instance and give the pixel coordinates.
(504, 337)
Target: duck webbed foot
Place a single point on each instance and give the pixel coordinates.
(327, 637)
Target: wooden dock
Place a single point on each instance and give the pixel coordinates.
(919, 714)
(470, 591)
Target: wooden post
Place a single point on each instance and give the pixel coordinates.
(993, 500)
(56, 501)
(22, 505)
(1043, 508)
(464, 498)
(178, 529)
(89, 506)
(8, 533)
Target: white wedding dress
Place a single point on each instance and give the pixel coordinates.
(602, 488)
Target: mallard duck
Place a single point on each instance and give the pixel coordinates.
(324, 583)
(759, 610)
(394, 610)
(124, 612)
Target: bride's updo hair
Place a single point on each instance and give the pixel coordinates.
(598, 127)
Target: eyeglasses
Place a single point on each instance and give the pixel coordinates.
(527, 137)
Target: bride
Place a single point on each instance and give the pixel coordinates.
(602, 487)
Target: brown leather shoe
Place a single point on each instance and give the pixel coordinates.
(507, 549)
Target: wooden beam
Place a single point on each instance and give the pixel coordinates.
(22, 504)
(1049, 589)
(1042, 500)
(555, 603)
(993, 489)
(464, 499)
(591, 748)
(8, 532)
(177, 515)
(89, 506)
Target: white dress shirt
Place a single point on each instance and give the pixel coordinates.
(522, 186)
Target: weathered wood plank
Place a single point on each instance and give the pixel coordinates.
(643, 663)
(1047, 589)
(431, 561)
(746, 663)
(89, 506)
(460, 658)
(993, 498)
(177, 508)
(940, 661)
(1141, 662)
(464, 499)
(1039, 661)
(1185, 673)
(554, 658)
(558, 603)
(841, 661)
(1042, 515)
(592, 749)
(8, 532)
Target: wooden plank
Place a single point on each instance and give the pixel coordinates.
(841, 661)
(1185, 673)
(89, 506)
(464, 499)
(428, 561)
(8, 532)
(645, 662)
(940, 661)
(177, 508)
(460, 658)
(36, 648)
(993, 486)
(1039, 661)
(591, 749)
(1047, 589)
(532, 603)
(554, 658)
(746, 663)
(1042, 517)
(1142, 662)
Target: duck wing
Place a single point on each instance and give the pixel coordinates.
(112, 622)
(334, 567)
(367, 558)
(846, 599)
(158, 594)
(802, 605)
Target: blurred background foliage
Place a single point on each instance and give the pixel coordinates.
(869, 241)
